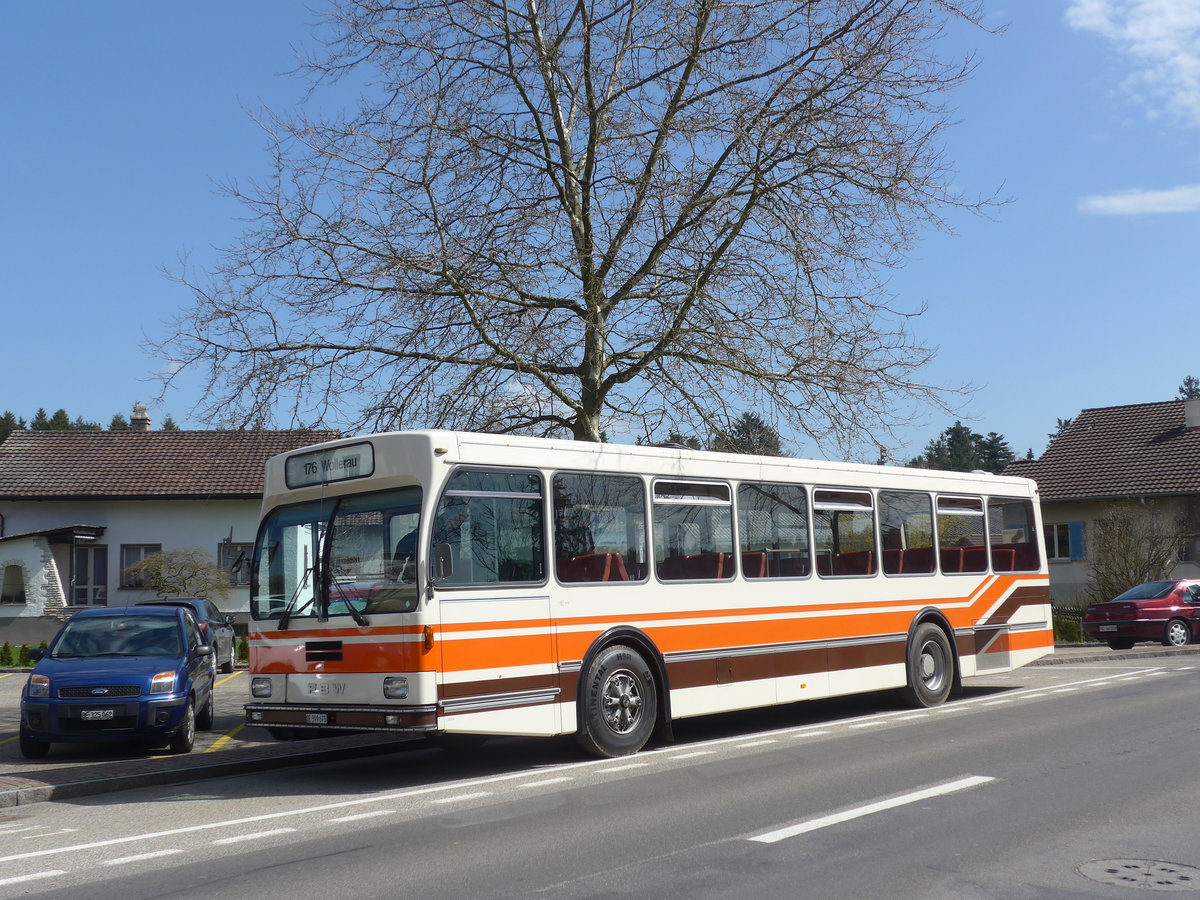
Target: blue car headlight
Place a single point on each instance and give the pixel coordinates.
(162, 683)
(39, 686)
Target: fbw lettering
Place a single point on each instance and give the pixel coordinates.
(326, 687)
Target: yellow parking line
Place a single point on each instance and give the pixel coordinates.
(8, 674)
(224, 739)
(228, 678)
(9, 740)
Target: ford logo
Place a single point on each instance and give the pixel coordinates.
(99, 692)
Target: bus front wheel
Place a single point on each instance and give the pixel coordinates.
(930, 667)
(619, 703)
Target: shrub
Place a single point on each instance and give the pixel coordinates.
(6, 654)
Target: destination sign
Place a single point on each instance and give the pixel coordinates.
(324, 466)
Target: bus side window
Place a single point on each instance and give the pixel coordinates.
(961, 539)
(906, 532)
(599, 528)
(1012, 536)
(693, 531)
(844, 531)
(773, 530)
(488, 529)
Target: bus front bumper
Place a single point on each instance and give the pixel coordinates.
(332, 717)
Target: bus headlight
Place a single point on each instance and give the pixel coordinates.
(260, 688)
(395, 687)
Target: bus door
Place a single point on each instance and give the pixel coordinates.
(497, 671)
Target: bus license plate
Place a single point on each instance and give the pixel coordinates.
(316, 718)
(1108, 628)
(96, 715)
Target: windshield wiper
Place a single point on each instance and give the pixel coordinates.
(291, 604)
(358, 616)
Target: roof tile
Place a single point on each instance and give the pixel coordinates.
(41, 465)
(1119, 451)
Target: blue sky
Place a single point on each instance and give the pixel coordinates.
(121, 119)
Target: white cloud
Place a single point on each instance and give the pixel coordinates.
(1160, 40)
(1131, 203)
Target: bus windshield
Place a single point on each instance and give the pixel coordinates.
(352, 556)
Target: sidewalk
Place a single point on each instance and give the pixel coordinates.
(27, 782)
(24, 783)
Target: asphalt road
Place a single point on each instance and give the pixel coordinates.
(1060, 781)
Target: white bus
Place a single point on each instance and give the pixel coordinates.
(439, 582)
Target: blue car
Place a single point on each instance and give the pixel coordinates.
(141, 672)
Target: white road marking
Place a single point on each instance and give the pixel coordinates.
(240, 838)
(458, 798)
(758, 743)
(544, 782)
(366, 815)
(950, 787)
(50, 873)
(155, 854)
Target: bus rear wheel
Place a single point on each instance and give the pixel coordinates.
(619, 703)
(930, 667)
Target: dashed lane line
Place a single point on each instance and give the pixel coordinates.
(950, 787)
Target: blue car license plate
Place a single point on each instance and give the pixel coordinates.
(96, 715)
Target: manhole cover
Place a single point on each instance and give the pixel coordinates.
(1151, 874)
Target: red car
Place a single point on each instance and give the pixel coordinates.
(1166, 611)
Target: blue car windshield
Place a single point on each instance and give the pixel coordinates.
(118, 637)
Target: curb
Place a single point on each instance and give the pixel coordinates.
(100, 778)
(1092, 653)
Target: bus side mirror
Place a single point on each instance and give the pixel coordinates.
(443, 561)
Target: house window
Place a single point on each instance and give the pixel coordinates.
(90, 583)
(235, 560)
(13, 591)
(1064, 541)
(131, 555)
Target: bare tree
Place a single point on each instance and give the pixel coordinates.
(1129, 545)
(567, 216)
(181, 573)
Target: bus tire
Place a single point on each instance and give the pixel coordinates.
(619, 703)
(930, 667)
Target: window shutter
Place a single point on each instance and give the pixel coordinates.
(1078, 548)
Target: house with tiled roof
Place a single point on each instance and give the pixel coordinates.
(1146, 452)
(78, 507)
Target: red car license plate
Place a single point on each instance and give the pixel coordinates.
(1107, 628)
(96, 715)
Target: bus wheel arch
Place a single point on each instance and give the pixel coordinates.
(932, 667)
(622, 697)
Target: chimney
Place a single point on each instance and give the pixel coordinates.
(139, 421)
(1191, 414)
